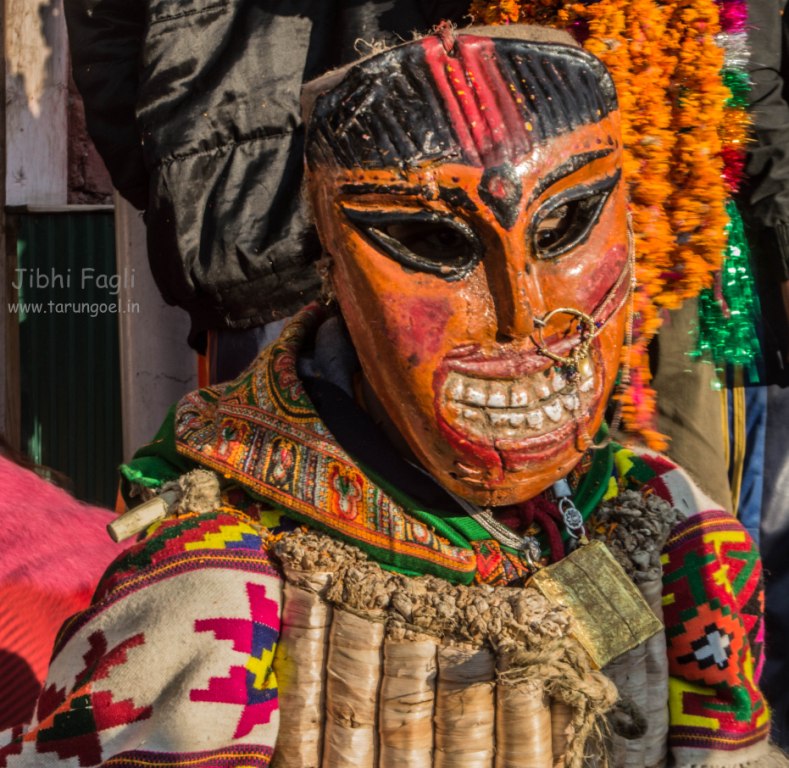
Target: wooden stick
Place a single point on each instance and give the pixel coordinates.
(140, 517)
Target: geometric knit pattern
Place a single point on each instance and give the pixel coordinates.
(171, 666)
(227, 529)
(713, 605)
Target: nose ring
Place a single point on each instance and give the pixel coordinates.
(587, 331)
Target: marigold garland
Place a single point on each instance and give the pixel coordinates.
(697, 204)
(684, 129)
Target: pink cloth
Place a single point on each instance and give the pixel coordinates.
(53, 550)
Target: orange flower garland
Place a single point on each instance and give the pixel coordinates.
(666, 65)
(698, 204)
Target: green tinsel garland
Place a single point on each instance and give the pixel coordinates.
(727, 328)
(738, 82)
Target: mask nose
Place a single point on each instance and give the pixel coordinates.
(516, 295)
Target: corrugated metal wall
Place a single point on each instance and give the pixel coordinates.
(68, 338)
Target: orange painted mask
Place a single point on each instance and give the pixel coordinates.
(468, 190)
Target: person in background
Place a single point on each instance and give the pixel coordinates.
(766, 215)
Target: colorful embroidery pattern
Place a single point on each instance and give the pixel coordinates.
(497, 566)
(713, 602)
(262, 431)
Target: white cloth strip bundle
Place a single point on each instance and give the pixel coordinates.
(629, 674)
(300, 664)
(657, 714)
(523, 726)
(353, 679)
(641, 526)
(561, 727)
(400, 671)
(465, 708)
(407, 702)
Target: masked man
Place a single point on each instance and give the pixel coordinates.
(395, 566)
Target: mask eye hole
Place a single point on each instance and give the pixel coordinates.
(568, 219)
(434, 241)
(427, 242)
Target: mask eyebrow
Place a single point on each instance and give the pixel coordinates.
(454, 196)
(565, 169)
(380, 189)
(457, 198)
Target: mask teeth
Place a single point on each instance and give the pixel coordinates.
(527, 407)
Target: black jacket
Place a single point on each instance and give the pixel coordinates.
(194, 106)
(766, 195)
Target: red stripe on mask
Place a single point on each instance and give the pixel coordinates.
(489, 126)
